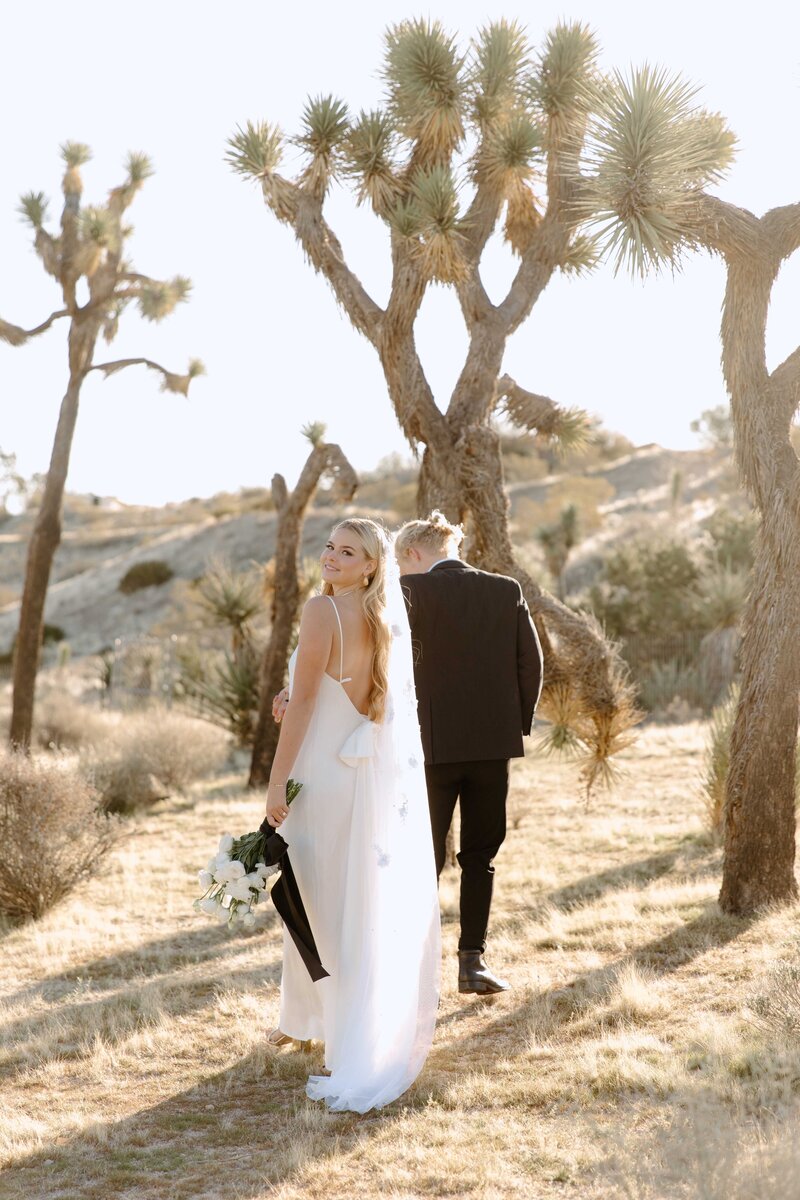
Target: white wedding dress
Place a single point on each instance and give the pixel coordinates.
(360, 845)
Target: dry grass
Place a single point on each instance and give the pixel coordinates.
(622, 1064)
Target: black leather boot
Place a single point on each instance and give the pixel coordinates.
(474, 975)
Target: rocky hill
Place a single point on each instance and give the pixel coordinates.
(102, 539)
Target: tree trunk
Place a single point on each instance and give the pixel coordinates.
(760, 792)
(41, 552)
(325, 457)
(761, 785)
(285, 605)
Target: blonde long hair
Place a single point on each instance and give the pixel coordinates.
(376, 545)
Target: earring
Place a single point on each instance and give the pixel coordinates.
(366, 581)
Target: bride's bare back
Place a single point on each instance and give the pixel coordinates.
(350, 661)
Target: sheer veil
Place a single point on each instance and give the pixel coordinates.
(390, 983)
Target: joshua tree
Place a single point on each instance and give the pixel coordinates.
(646, 195)
(582, 167)
(325, 458)
(89, 247)
(760, 811)
(522, 119)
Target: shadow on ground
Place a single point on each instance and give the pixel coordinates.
(246, 1109)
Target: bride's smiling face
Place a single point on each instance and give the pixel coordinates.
(344, 561)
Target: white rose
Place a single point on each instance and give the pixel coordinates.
(221, 859)
(255, 879)
(226, 843)
(210, 906)
(248, 920)
(224, 916)
(229, 872)
(239, 890)
(205, 879)
(262, 869)
(212, 865)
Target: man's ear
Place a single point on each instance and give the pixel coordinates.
(413, 552)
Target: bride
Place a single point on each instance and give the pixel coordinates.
(359, 832)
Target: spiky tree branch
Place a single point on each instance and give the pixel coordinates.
(171, 382)
(540, 414)
(17, 337)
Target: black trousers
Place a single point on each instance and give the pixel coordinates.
(482, 788)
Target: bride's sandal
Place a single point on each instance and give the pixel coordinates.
(277, 1038)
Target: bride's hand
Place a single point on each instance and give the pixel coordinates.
(277, 808)
(279, 705)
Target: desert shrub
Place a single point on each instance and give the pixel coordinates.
(150, 756)
(722, 594)
(676, 612)
(63, 723)
(51, 831)
(123, 782)
(648, 586)
(731, 536)
(149, 573)
(776, 1006)
(176, 748)
(663, 682)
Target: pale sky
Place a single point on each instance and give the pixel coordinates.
(174, 79)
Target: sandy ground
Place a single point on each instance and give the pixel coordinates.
(623, 1062)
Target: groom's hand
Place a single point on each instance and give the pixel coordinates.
(279, 705)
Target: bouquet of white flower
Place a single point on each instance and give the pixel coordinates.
(235, 878)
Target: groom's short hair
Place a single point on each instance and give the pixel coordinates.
(434, 533)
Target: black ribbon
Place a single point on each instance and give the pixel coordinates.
(289, 903)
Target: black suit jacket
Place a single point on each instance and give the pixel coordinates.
(477, 662)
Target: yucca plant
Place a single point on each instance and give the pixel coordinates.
(90, 246)
(557, 541)
(718, 762)
(230, 599)
(291, 580)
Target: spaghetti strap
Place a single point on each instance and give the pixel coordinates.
(341, 644)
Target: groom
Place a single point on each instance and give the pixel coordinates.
(478, 676)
